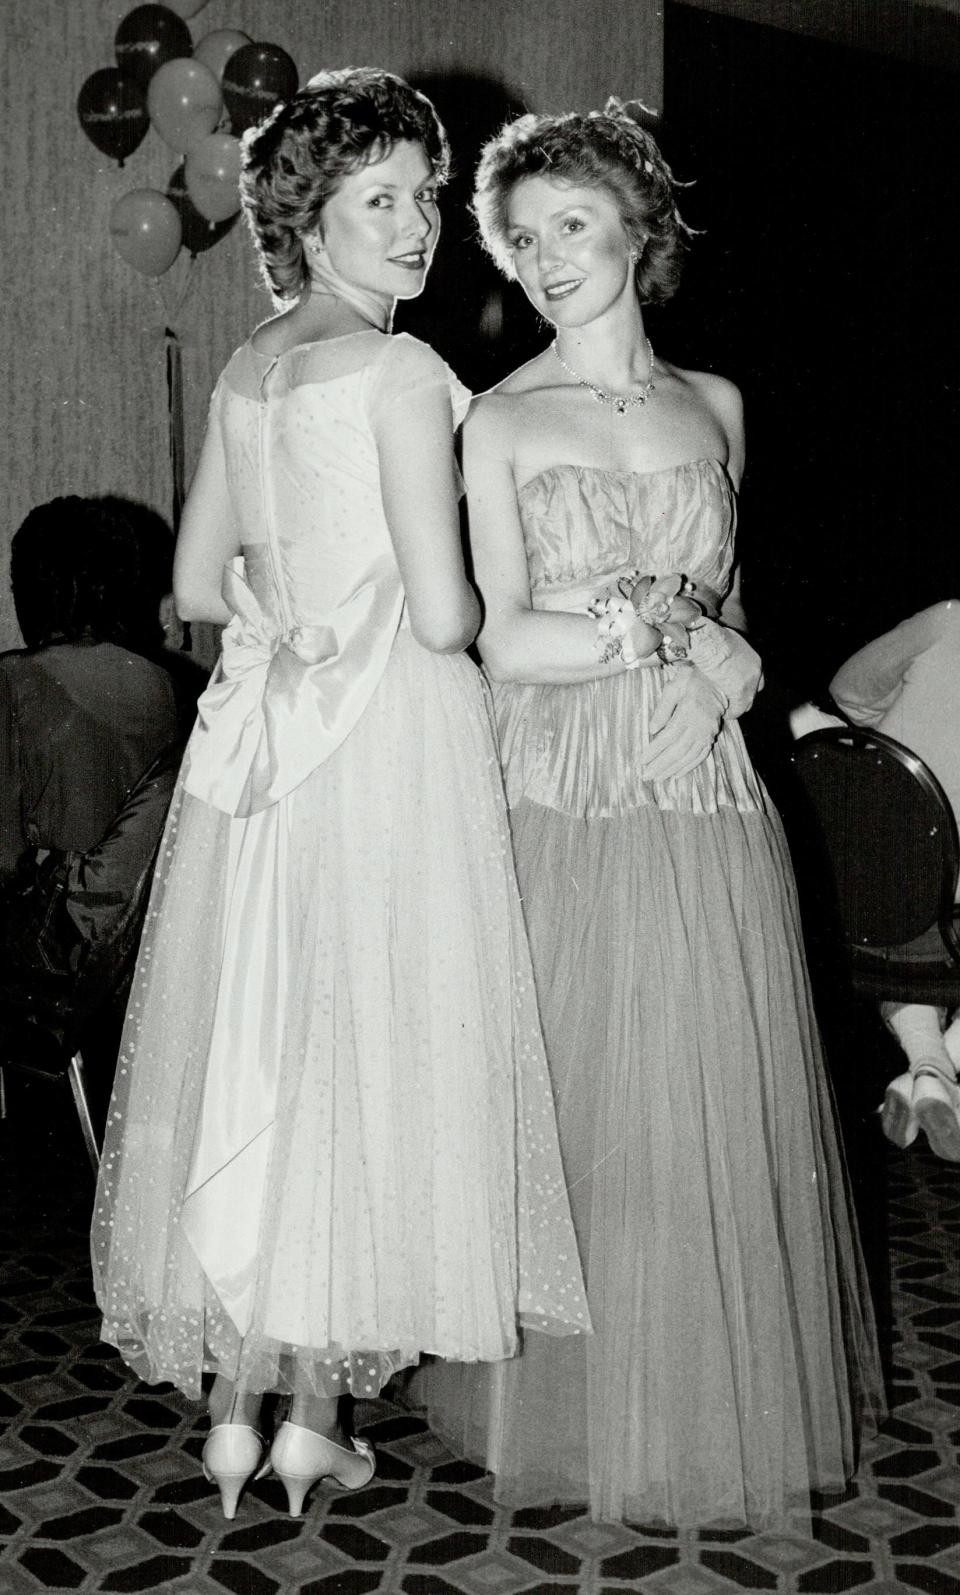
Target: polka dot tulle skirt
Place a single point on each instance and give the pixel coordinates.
(332, 1144)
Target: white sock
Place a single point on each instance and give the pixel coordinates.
(919, 1029)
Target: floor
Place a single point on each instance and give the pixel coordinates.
(100, 1488)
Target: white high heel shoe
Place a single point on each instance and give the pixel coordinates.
(299, 1457)
(233, 1453)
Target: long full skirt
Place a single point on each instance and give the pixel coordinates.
(332, 1145)
(734, 1366)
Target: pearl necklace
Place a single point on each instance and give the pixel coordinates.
(621, 402)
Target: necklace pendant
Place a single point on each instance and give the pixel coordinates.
(621, 402)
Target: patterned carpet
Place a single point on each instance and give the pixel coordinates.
(100, 1488)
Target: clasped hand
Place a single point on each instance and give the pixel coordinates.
(684, 725)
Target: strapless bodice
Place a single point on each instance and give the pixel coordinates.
(584, 525)
(573, 747)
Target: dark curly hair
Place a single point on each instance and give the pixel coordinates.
(293, 163)
(92, 570)
(606, 149)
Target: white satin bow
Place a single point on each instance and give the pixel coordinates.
(281, 701)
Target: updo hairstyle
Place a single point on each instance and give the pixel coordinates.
(293, 163)
(602, 149)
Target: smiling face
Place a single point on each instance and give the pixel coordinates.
(379, 229)
(569, 248)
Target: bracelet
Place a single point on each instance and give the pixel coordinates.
(661, 609)
(611, 649)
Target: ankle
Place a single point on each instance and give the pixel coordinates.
(938, 1064)
(229, 1403)
(319, 1414)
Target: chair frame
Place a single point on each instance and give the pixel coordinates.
(877, 968)
(76, 1075)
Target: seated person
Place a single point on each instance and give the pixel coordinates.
(906, 684)
(85, 707)
(88, 704)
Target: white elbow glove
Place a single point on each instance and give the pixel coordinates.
(729, 663)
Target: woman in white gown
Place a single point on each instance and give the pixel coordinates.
(332, 1146)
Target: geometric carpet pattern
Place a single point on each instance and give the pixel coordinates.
(100, 1486)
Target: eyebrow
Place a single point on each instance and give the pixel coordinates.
(383, 182)
(574, 204)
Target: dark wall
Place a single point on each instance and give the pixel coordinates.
(481, 325)
(826, 285)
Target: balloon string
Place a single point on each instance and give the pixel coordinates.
(175, 420)
(185, 289)
(171, 311)
(174, 363)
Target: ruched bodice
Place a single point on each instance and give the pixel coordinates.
(583, 526)
(574, 747)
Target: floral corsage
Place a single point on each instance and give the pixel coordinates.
(642, 616)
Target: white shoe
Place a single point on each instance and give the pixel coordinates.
(233, 1453)
(898, 1118)
(299, 1457)
(936, 1103)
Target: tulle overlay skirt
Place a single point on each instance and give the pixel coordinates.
(733, 1366)
(332, 1143)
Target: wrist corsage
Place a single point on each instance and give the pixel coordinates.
(643, 616)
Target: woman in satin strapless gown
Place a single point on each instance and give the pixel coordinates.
(333, 1145)
(733, 1368)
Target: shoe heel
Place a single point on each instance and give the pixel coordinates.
(230, 1459)
(297, 1487)
(230, 1486)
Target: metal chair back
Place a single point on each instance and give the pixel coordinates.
(889, 838)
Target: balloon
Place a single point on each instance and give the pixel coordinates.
(186, 8)
(212, 173)
(198, 234)
(146, 231)
(148, 36)
(254, 79)
(184, 101)
(216, 48)
(113, 112)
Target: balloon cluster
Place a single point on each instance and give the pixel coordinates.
(199, 99)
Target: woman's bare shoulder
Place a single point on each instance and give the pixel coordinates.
(528, 378)
(721, 396)
(501, 409)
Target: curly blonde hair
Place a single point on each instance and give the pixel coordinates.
(293, 163)
(605, 149)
